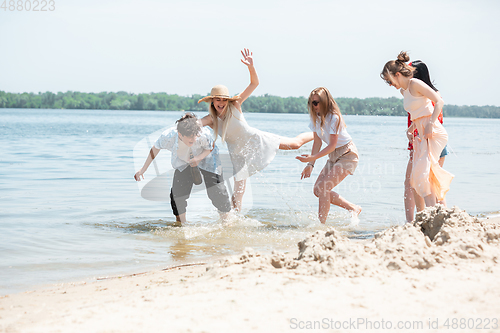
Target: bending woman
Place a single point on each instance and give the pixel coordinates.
(429, 180)
(411, 198)
(250, 149)
(328, 126)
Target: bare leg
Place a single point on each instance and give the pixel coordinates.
(224, 216)
(419, 201)
(441, 163)
(408, 194)
(297, 142)
(430, 200)
(239, 190)
(327, 180)
(181, 218)
(411, 197)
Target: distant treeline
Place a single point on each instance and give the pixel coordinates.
(267, 103)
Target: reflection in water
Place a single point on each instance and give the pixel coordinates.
(262, 229)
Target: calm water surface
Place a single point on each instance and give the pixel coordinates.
(70, 209)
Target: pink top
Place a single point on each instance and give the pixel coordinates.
(417, 106)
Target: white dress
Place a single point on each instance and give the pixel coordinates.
(250, 149)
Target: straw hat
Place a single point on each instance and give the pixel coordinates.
(219, 91)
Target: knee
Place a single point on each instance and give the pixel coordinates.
(239, 186)
(318, 191)
(407, 183)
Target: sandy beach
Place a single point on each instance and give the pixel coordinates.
(439, 274)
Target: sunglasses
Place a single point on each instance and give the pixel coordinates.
(315, 103)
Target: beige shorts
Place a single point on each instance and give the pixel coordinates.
(345, 156)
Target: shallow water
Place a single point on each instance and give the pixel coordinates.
(70, 209)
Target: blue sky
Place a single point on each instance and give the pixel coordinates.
(186, 47)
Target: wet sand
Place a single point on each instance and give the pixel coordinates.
(439, 274)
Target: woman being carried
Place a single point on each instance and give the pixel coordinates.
(250, 149)
(429, 180)
(328, 126)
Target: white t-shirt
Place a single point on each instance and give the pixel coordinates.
(169, 140)
(329, 128)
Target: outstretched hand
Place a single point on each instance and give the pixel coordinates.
(305, 158)
(247, 57)
(306, 173)
(138, 175)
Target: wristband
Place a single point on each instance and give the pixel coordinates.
(310, 164)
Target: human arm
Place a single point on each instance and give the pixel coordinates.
(317, 143)
(423, 89)
(198, 158)
(327, 150)
(206, 121)
(151, 156)
(254, 79)
(410, 131)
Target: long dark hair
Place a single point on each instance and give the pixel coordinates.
(422, 73)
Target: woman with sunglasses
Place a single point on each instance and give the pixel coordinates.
(328, 125)
(428, 178)
(250, 149)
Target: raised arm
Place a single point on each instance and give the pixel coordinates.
(254, 79)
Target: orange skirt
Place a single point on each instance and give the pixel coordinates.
(427, 176)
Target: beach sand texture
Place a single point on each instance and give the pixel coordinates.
(440, 273)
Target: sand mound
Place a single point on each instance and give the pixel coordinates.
(438, 236)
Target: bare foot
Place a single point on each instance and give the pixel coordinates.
(356, 211)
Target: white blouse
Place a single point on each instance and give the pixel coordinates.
(169, 140)
(329, 128)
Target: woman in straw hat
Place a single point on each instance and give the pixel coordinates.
(250, 149)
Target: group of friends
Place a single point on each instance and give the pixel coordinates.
(251, 150)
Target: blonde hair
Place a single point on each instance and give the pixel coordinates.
(327, 105)
(222, 124)
(397, 66)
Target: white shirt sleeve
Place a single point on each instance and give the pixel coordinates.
(331, 124)
(311, 126)
(205, 139)
(167, 139)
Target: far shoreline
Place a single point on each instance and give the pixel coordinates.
(246, 112)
